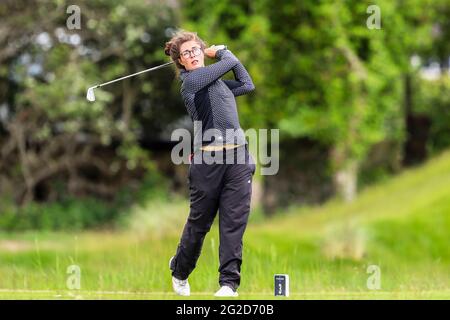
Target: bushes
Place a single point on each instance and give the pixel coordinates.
(79, 213)
(70, 214)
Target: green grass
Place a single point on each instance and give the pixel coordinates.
(401, 225)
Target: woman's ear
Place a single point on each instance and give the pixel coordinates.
(179, 60)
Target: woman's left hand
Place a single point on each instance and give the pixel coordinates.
(211, 51)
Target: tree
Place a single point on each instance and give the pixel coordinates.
(54, 143)
(319, 71)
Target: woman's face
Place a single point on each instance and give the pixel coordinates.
(191, 55)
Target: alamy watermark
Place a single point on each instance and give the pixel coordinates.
(374, 280)
(263, 146)
(374, 20)
(74, 20)
(74, 279)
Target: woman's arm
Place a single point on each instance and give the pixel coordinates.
(243, 83)
(201, 77)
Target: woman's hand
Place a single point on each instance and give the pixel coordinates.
(211, 51)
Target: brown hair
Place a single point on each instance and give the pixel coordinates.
(172, 47)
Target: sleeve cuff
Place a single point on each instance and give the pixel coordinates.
(220, 53)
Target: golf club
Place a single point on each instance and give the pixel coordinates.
(90, 92)
(90, 95)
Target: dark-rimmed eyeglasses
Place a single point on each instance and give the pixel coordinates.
(195, 51)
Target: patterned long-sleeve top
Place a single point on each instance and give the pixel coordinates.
(211, 103)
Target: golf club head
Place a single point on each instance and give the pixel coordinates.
(90, 94)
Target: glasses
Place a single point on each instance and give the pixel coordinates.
(195, 51)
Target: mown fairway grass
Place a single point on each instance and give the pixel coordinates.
(401, 225)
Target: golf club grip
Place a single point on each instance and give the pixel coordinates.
(220, 47)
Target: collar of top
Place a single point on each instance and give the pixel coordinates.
(183, 74)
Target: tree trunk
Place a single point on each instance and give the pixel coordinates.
(257, 192)
(346, 180)
(345, 173)
(417, 128)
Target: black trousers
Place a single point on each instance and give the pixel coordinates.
(225, 187)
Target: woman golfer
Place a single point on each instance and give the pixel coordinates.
(224, 182)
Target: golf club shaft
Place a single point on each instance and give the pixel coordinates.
(132, 75)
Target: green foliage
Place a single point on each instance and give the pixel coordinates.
(347, 77)
(87, 213)
(69, 214)
(65, 137)
(319, 71)
(433, 100)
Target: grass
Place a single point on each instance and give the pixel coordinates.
(401, 225)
